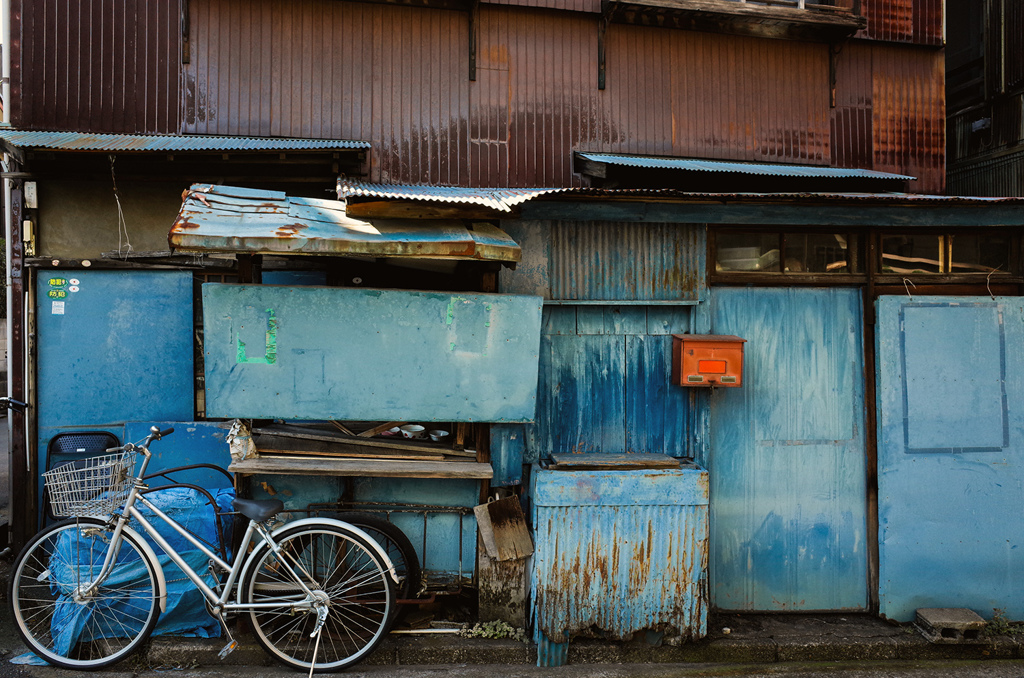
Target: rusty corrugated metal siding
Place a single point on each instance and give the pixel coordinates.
(611, 554)
(593, 6)
(889, 113)
(625, 261)
(96, 65)
(912, 21)
(399, 76)
(909, 114)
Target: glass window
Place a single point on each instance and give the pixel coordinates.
(821, 253)
(913, 254)
(979, 254)
(748, 252)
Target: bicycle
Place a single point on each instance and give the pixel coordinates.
(87, 592)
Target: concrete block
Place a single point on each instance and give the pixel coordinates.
(950, 625)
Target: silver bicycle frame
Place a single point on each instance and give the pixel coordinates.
(233, 570)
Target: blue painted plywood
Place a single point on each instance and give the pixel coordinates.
(114, 346)
(193, 442)
(787, 458)
(339, 353)
(950, 469)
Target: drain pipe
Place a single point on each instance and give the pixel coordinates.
(5, 93)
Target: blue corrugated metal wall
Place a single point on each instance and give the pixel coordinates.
(950, 472)
(604, 382)
(787, 462)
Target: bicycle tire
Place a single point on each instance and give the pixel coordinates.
(398, 547)
(354, 581)
(83, 634)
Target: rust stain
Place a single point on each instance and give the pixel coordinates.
(290, 230)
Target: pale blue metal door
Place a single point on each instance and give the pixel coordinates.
(787, 462)
(950, 469)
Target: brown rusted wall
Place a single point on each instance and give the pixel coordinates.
(398, 77)
(890, 113)
(96, 65)
(911, 21)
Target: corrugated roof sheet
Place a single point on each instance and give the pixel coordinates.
(488, 196)
(81, 141)
(896, 198)
(752, 168)
(502, 199)
(234, 219)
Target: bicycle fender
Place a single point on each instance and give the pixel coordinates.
(343, 526)
(161, 580)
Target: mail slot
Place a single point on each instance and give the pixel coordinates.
(707, 360)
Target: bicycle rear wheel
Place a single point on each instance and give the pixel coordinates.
(54, 615)
(347, 575)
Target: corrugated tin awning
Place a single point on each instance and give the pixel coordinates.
(501, 199)
(740, 168)
(166, 143)
(241, 220)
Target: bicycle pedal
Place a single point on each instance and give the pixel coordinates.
(227, 649)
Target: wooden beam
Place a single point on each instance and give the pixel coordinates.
(363, 468)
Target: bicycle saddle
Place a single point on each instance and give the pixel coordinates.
(258, 509)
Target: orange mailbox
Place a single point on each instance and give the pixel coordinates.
(707, 360)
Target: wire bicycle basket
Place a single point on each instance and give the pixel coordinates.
(90, 487)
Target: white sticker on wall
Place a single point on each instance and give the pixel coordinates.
(73, 288)
(73, 281)
(58, 308)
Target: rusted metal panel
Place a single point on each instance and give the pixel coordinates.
(909, 114)
(233, 219)
(608, 261)
(398, 77)
(911, 21)
(570, 5)
(96, 65)
(890, 112)
(620, 551)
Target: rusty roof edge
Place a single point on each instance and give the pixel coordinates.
(501, 199)
(737, 167)
(141, 143)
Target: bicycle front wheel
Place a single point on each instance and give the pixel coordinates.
(64, 622)
(344, 573)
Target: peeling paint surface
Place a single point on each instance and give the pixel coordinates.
(620, 552)
(788, 461)
(950, 474)
(241, 220)
(303, 352)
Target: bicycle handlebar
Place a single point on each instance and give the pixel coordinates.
(155, 434)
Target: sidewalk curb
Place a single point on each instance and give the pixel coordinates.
(167, 652)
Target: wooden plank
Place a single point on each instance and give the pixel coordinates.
(363, 468)
(502, 527)
(396, 444)
(346, 455)
(624, 462)
(341, 427)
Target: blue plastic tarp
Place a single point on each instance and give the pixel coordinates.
(122, 612)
